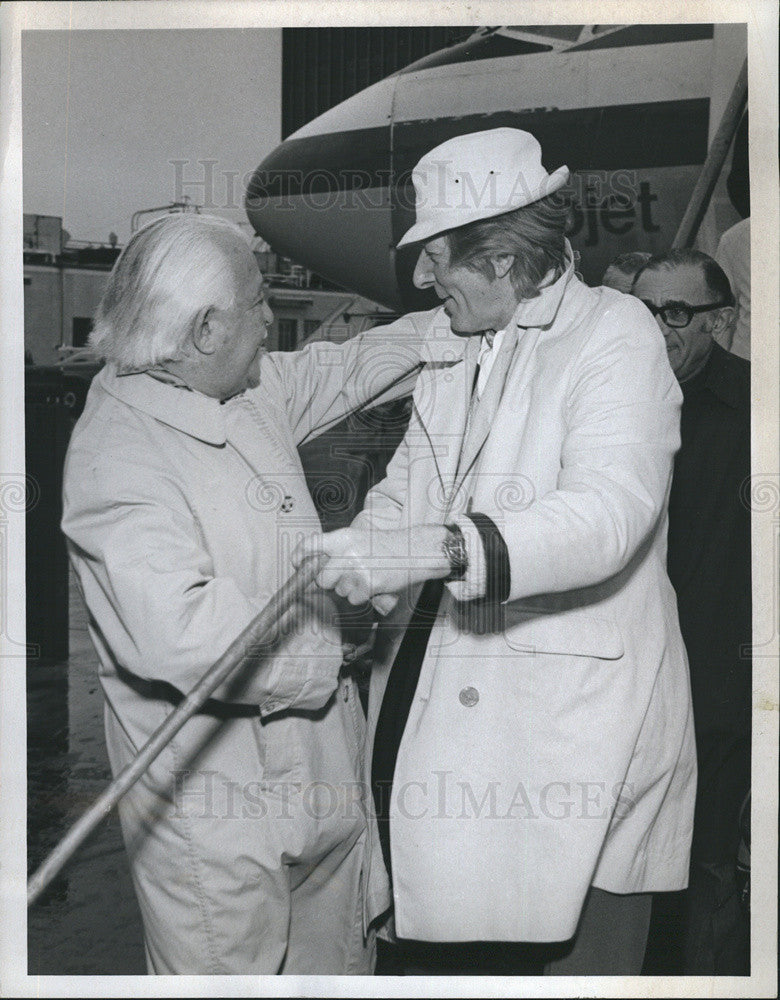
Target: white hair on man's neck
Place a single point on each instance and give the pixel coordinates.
(169, 272)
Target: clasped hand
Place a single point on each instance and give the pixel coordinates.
(365, 565)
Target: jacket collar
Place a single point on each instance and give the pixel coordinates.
(193, 413)
(725, 376)
(442, 345)
(541, 310)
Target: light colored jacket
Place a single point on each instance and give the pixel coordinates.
(180, 514)
(733, 255)
(549, 746)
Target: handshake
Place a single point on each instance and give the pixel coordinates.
(374, 565)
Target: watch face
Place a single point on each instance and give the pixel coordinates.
(454, 546)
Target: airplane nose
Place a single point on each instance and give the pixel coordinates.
(324, 196)
(336, 196)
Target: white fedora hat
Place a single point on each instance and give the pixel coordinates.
(478, 176)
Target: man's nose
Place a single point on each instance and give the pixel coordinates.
(268, 316)
(671, 334)
(423, 272)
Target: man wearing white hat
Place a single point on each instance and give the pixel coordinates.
(532, 747)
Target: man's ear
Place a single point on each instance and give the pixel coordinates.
(204, 334)
(502, 264)
(724, 320)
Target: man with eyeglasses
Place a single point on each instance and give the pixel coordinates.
(691, 299)
(709, 566)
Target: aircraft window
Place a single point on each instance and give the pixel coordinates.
(647, 34)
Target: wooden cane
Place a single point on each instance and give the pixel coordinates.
(236, 652)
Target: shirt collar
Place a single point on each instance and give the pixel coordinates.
(490, 346)
(192, 412)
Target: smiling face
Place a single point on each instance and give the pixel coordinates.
(687, 348)
(473, 302)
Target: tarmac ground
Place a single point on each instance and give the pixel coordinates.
(87, 922)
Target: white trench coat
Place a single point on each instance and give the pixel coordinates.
(549, 746)
(180, 515)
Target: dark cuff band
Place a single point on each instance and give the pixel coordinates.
(496, 559)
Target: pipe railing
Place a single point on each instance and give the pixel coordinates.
(716, 157)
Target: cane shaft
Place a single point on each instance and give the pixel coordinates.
(251, 636)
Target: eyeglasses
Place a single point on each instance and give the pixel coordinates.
(678, 314)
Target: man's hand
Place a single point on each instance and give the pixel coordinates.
(365, 565)
(384, 603)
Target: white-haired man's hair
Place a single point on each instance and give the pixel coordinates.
(170, 270)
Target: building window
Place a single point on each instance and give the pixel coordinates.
(323, 66)
(288, 334)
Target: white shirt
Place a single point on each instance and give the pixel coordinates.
(488, 352)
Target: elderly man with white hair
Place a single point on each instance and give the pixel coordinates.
(183, 498)
(533, 760)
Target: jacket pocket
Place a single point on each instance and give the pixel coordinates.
(570, 632)
(278, 748)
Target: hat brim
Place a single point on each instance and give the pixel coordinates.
(457, 217)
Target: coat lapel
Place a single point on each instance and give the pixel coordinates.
(256, 437)
(531, 316)
(443, 412)
(485, 410)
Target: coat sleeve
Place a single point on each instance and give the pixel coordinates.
(325, 381)
(160, 608)
(385, 503)
(623, 412)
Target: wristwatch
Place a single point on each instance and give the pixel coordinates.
(454, 548)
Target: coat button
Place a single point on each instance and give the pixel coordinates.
(469, 697)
